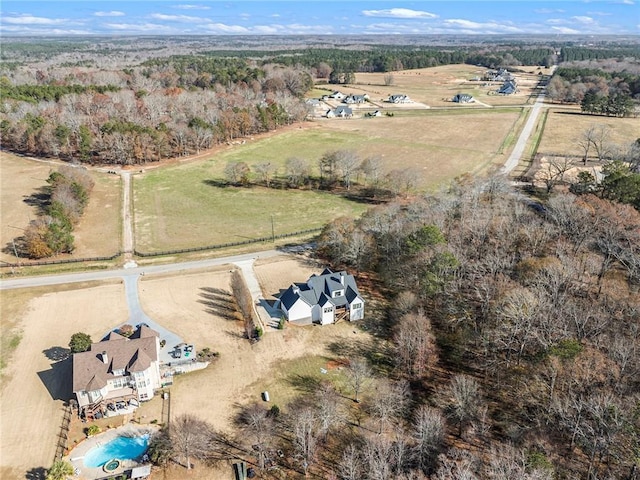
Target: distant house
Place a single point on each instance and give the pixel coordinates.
(340, 111)
(312, 102)
(509, 87)
(356, 99)
(399, 98)
(337, 95)
(325, 298)
(462, 98)
(117, 373)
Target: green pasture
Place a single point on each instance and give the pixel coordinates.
(189, 206)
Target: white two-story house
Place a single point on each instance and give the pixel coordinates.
(117, 373)
(325, 298)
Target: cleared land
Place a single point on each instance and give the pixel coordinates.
(565, 126)
(436, 86)
(22, 179)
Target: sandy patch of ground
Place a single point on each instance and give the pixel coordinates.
(278, 273)
(36, 387)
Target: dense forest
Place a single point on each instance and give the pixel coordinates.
(610, 87)
(534, 307)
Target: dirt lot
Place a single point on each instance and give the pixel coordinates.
(33, 391)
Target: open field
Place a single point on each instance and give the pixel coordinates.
(436, 86)
(565, 126)
(177, 208)
(97, 234)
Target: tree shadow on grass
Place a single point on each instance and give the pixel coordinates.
(304, 383)
(219, 303)
(39, 199)
(36, 473)
(56, 354)
(58, 379)
(379, 356)
(216, 183)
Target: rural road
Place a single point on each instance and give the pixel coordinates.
(124, 272)
(521, 143)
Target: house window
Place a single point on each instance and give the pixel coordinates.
(328, 309)
(338, 293)
(144, 396)
(357, 306)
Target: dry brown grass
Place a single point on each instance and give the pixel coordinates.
(97, 234)
(436, 86)
(565, 125)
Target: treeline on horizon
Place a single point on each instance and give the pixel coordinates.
(185, 103)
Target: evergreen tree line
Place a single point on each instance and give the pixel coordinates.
(576, 53)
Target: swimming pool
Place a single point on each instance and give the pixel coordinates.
(121, 448)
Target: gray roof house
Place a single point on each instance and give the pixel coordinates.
(356, 98)
(399, 98)
(508, 88)
(340, 111)
(462, 98)
(325, 298)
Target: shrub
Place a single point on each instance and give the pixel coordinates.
(281, 323)
(92, 430)
(80, 342)
(259, 332)
(126, 330)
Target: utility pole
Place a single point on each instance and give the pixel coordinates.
(273, 232)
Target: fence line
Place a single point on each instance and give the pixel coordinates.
(64, 260)
(226, 245)
(165, 252)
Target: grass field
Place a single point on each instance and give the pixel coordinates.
(98, 232)
(564, 126)
(187, 205)
(178, 208)
(436, 86)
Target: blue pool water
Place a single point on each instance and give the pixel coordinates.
(122, 448)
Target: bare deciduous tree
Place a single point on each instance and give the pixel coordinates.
(358, 375)
(190, 438)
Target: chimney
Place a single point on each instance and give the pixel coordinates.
(105, 358)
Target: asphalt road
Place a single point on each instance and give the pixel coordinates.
(28, 282)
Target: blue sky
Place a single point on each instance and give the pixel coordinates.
(220, 17)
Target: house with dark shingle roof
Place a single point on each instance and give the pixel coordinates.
(117, 373)
(399, 98)
(509, 87)
(325, 298)
(350, 99)
(462, 98)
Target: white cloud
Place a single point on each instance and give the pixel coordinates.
(192, 7)
(583, 19)
(276, 15)
(565, 30)
(398, 13)
(177, 18)
(601, 14)
(28, 19)
(112, 13)
(223, 28)
(480, 27)
(26, 30)
(548, 10)
(140, 27)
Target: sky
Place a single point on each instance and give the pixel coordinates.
(335, 17)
